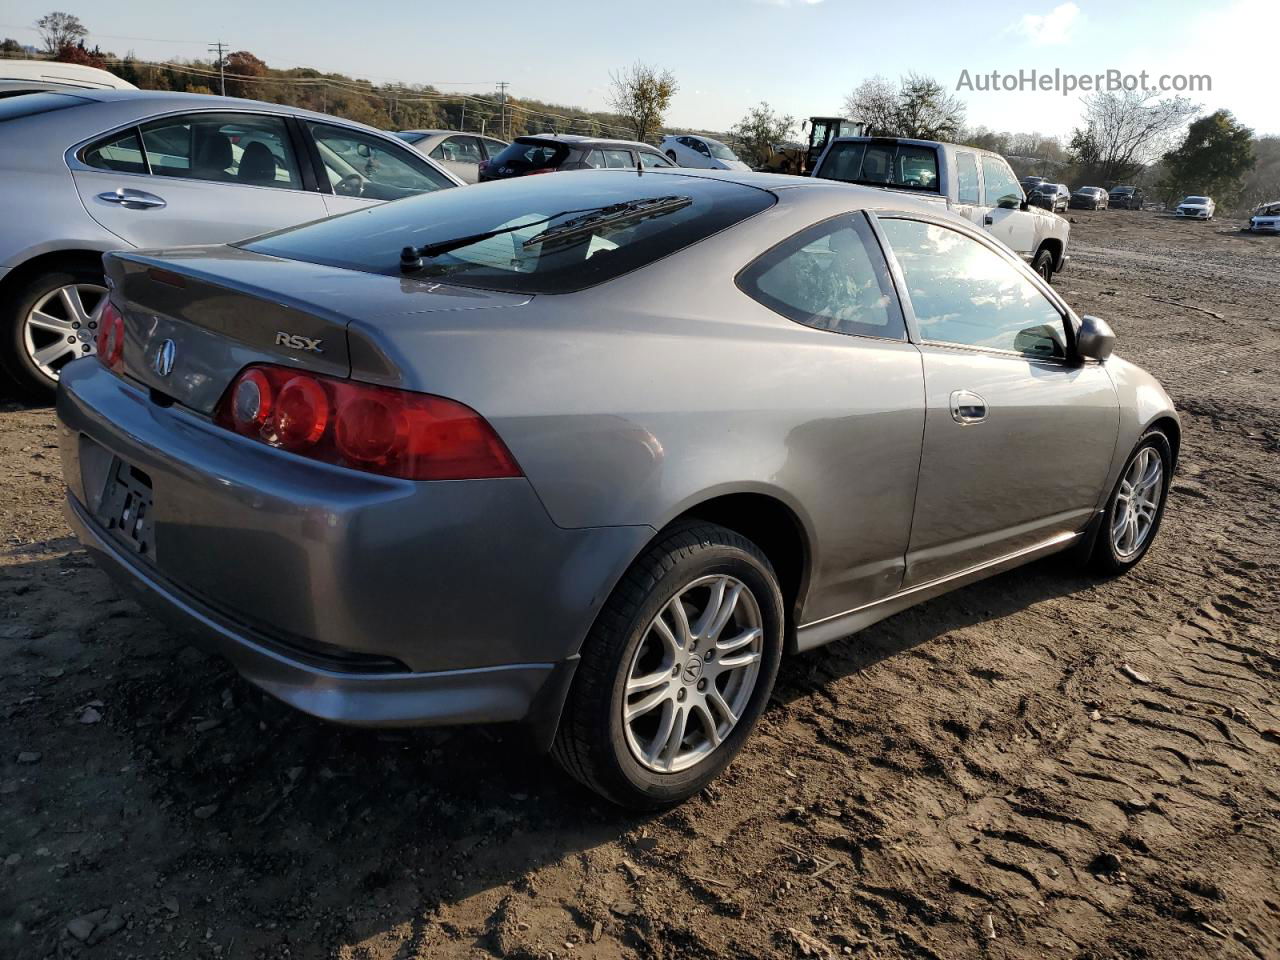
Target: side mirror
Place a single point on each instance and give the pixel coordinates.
(1094, 339)
(1023, 205)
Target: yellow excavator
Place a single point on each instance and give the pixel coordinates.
(799, 159)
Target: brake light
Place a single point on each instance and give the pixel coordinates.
(110, 339)
(396, 433)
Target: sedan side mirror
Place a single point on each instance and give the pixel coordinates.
(1094, 339)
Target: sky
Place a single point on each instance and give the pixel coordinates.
(801, 56)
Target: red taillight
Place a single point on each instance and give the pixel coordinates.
(415, 436)
(110, 340)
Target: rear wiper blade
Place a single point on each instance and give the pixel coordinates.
(411, 257)
(613, 214)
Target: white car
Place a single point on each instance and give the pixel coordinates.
(66, 74)
(1266, 219)
(703, 152)
(1195, 208)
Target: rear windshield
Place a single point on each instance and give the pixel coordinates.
(29, 104)
(542, 254)
(525, 155)
(885, 164)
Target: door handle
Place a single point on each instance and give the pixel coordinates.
(988, 220)
(132, 199)
(967, 407)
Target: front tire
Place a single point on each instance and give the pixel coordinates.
(47, 321)
(676, 670)
(1043, 265)
(1136, 506)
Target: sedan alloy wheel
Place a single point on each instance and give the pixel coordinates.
(1137, 503)
(63, 325)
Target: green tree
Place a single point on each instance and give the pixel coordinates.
(919, 106)
(641, 94)
(760, 131)
(10, 47)
(59, 30)
(1212, 160)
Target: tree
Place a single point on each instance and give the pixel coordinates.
(641, 94)
(760, 131)
(10, 47)
(59, 30)
(1212, 160)
(1123, 132)
(242, 63)
(76, 53)
(918, 106)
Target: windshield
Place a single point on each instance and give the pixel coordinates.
(538, 252)
(719, 150)
(882, 164)
(1122, 189)
(1196, 200)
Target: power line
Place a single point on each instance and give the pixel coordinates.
(222, 66)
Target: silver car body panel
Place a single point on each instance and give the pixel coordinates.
(626, 405)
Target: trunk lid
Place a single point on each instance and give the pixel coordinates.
(223, 308)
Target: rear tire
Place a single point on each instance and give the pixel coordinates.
(629, 660)
(20, 346)
(1114, 551)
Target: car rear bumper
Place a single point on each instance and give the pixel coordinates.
(356, 598)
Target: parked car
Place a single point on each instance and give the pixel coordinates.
(1053, 197)
(1089, 198)
(1195, 208)
(1030, 183)
(549, 152)
(93, 170)
(1126, 198)
(977, 184)
(595, 449)
(63, 74)
(1266, 218)
(458, 152)
(687, 150)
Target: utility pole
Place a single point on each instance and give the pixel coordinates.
(462, 125)
(502, 88)
(217, 48)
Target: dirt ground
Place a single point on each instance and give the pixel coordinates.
(1041, 765)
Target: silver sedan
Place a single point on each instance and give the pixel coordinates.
(594, 451)
(87, 171)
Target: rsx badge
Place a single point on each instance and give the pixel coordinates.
(297, 342)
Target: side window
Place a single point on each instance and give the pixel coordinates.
(1001, 188)
(967, 178)
(493, 147)
(121, 152)
(618, 159)
(223, 147)
(361, 165)
(595, 159)
(965, 293)
(463, 149)
(701, 147)
(831, 276)
(654, 160)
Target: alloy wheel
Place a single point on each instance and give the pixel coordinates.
(693, 674)
(63, 325)
(1137, 502)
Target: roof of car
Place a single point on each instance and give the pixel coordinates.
(579, 140)
(782, 183)
(450, 133)
(915, 142)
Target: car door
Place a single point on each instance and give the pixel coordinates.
(1003, 197)
(359, 169)
(855, 463)
(1018, 437)
(198, 177)
(461, 156)
(968, 202)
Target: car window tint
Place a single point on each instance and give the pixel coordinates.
(460, 150)
(226, 148)
(121, 152)
(654, 160)
(965, 293)
(831, 276)
(525, 155)
(618, 159)
(493, 147)
(967, 178)
(882, 164)
(595, 159)
(361, 165)
(1001, 189)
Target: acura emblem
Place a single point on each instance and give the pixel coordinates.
(162, 363)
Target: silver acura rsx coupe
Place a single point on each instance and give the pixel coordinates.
(594, 451)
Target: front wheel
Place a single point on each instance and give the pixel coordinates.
(1043, 265)
(676, 670)
(1136, 507)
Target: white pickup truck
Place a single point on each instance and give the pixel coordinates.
(977, 184)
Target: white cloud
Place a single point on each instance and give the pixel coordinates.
(1050, 29)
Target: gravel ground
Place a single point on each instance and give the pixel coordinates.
(1041, 765)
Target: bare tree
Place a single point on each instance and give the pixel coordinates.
(59, 30)
(641, 94)
(918, 106)
(1123, 132)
